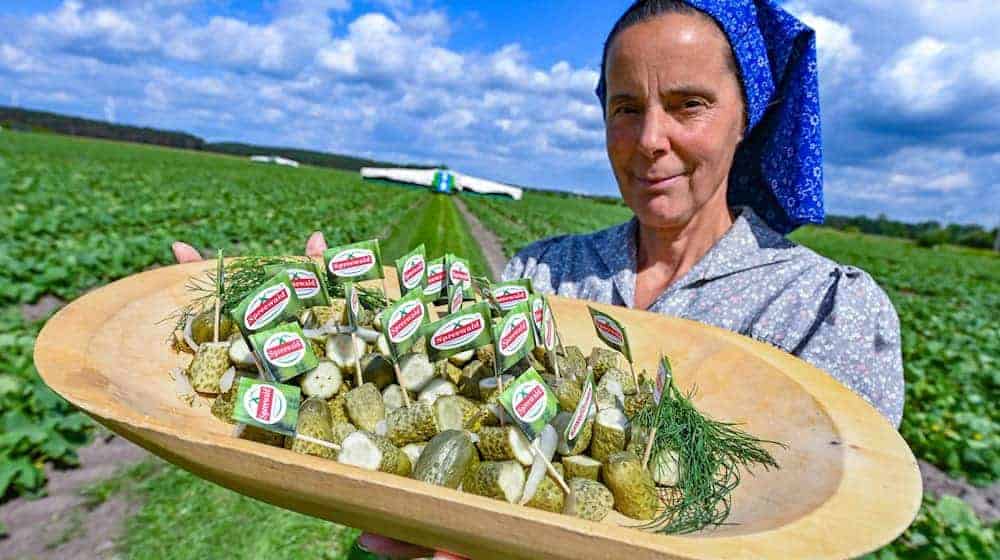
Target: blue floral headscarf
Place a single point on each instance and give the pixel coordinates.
(782, 148)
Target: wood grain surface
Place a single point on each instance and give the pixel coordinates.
(848, 483)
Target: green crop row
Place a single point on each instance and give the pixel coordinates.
(82, 213)
(948, 300)
(539, 215)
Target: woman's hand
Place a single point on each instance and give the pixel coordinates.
(398, 550)
(184, 253)
(376, 544)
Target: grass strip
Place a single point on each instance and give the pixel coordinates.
(437, 224)
(183, 517)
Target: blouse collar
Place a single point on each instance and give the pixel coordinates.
(749, 243)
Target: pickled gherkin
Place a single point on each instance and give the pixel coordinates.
(411, 424)
(203, 327)
(208, 366)
(314, 422)
(375, 453)
(561, 422)
(499, 480)
(602, 360)
(549, 496)
(503, 444)
(588, 499)
(338, 409)
(377, 369)
(445, 369)
(581, 466)
(568, 393)
(454, 412)
(447, 460)
(609, 434)
(342, 430)
(364, 406)
(632, 486)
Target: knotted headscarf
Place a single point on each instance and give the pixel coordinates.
(778, 168)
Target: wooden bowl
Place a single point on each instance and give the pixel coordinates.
(848, 483)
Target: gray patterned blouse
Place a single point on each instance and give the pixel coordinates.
(752, 281)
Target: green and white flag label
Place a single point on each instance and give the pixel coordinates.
(284, 351)
(412, 270)
(435, 279)
(271, 406)
(353, 302)
(664, 374)
(513, 338)
(305, 281)
(357, 261)
(611, 332)
(530, 402)
(508, 294)
(537, 304)
(272, 302)
(466, 330)
(402, 321)
(455, 299)
(459, 274)
(584, 410)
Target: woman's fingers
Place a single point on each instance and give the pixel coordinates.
(184, 253)
(392, 548)
(316, 245)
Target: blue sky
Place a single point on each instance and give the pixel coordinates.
(909, 88)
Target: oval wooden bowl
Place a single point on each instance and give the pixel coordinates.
(848, 483)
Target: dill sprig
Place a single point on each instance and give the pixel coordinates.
(710, 455)
(243, 275)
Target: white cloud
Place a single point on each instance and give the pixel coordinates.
(109, 109)
(950, 181)
(72, 23)
(836, 50)
(922, 76)
(930, 75)
(16, 59)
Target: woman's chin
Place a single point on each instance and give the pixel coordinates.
(658, 214)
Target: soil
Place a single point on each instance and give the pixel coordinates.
(61, 525)
(45, 306)
(984, 501)
(488, 241)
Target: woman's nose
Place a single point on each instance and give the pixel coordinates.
(654, 134)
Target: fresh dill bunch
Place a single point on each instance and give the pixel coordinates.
(370, 298)
(709, 454)
(243, 275)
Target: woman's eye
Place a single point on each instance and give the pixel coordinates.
(623, 110)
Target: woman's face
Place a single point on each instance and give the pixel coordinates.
(674, 117)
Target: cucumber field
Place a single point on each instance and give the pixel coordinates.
(79, 214)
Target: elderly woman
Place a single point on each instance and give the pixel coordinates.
(712, 126)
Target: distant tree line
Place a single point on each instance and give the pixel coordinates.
(926, 234)
(308, 157)
(40, 121)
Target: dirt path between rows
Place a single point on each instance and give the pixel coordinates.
(488, 241)
(984, 501)
(61, 525)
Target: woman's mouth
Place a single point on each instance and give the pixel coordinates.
(659, 183)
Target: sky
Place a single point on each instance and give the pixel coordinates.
(910, 89)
